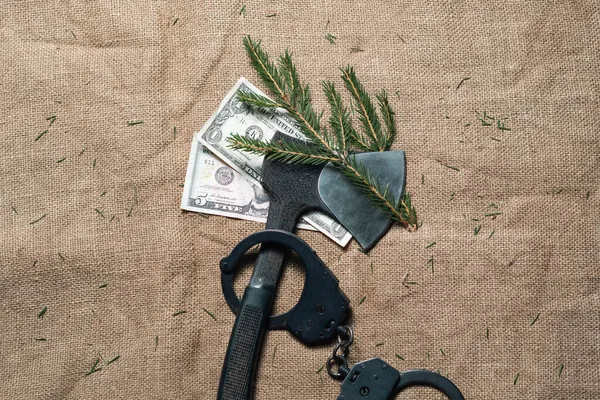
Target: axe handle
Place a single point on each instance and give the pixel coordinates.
(245, 343)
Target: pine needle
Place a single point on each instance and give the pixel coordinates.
(209, 313)
(42, 312)
(38, 137)
(38, 220)
(94, 367)
(461, 82)
(113, 360)
(534, 320)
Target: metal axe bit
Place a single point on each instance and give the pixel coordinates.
(295, 189)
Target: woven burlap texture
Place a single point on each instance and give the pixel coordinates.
(506, 305)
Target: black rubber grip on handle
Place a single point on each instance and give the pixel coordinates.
(245, 343)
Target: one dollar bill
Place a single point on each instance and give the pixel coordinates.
(233, 116)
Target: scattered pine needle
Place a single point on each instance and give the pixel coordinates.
(42, 312)
(94, 369)
(560, 368)
(40, 135)
(38, 220)
(113, 360)
(209, 313)
(451, 167)
(535, 319)
(493, 214)
(320, 369)
(461, 82)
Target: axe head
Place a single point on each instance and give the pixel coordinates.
(296, 189)
(351, 207)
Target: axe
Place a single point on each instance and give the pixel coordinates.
(295, 189)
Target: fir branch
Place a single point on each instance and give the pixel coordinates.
(370, 187)
(283, 150)
(366, 110)
(326, 146)
(340, 118)
(275, 80)
(309, 122)
(388, 118)
(408, 212)
(256, 100)
(265, 68)
(292, 82)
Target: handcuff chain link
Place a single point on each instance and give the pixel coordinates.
(340, 353)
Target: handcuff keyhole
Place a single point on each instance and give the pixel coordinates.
(364, 391)
(320, 309)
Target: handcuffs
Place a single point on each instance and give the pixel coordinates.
(319, 315)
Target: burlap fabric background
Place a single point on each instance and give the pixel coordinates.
(511, 312)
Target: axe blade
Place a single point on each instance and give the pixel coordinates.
(353, 209)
